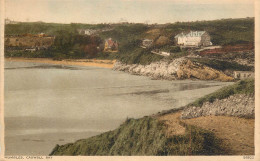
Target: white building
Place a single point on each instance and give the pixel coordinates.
(147, 43)
(243, 74)
(86, 31)
(193, 39)
(8, 21)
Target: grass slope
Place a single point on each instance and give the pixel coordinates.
(222, 65)
(241, 87)
(145, 136)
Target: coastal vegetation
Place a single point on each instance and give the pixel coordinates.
(222, 64)
(145, 136)
(241, 87)
(148, 135)
(69, 44)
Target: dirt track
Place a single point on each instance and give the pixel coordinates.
(236, 133)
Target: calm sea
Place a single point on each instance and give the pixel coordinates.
(47, 105)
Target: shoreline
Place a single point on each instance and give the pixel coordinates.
(217, 119)
(76, 62)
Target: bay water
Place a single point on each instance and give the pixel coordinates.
(47, 104)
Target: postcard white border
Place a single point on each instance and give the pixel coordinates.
(144, 158)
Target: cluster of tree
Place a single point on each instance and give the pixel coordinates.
(66, 45)
(73, 45)
(47, 28)
(222, 32)
(69, 44)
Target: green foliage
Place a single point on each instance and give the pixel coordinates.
(125, 32)
(27, 54)
(47, 28)
(175, 49)
(222, 65)
(226, 31)
(139, 56)
(195, 141)
(70, 45)
(241, 87)
(145, 136)
(67, 45)
(171, 49)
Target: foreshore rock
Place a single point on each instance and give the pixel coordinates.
(239, 105)
(181, 68)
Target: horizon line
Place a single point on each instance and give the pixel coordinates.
(126, 22)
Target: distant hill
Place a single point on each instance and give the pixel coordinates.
(222, 31)
(129, 37)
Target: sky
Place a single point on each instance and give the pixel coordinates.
(138, 11)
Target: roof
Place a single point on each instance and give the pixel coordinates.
(110, 42)
(147, 40)
(191, 34)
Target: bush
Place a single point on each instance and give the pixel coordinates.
(175, 49)
(139, 56)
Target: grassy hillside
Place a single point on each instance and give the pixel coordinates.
(145, 136)
(240, 87)
(222, 65)
(47, 28)
(226, 31)
(130, 36)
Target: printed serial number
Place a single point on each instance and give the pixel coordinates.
(248, 157)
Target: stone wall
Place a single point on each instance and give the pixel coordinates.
(240, 105)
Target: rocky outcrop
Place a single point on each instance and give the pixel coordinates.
(240, 105)
(181, 68)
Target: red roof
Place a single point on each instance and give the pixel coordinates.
(110, 42)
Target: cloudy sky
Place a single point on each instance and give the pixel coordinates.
(106, 11)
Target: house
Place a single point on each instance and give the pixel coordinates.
(147, 43)
(193, 39)
(164, 53)
(41, 35)
(111, 45)
(243, 74)
(8, 21)
(86, 31)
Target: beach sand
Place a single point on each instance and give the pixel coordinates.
(76, 62)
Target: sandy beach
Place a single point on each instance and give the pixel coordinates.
(76, 62)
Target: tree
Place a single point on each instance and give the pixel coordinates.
(90, 51)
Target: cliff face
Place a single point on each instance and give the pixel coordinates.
(180, 68)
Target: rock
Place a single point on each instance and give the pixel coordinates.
(180, 68)
(239, 105)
